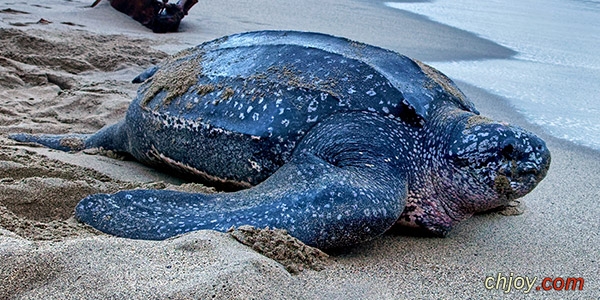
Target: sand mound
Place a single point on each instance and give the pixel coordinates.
(56, 82)
(39, 194)
(204, 264)
(39, 82)
(75, 52)
(281, 247)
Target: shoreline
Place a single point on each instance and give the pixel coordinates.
(479, 48)
(558, 235)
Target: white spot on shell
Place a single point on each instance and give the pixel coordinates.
(312, 106)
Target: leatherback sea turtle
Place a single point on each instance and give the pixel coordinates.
(333, 140)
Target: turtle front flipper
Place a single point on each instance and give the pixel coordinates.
(149, 72)
(112, 137)
(336, 192)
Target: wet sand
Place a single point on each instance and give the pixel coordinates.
(73, 74)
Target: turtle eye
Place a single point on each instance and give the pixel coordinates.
(508, 147)
(508, 150)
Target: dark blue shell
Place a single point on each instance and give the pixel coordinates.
(282, 81)
(270, 88)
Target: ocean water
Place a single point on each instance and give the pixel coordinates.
(554, 80)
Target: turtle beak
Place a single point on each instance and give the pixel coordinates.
(527, 161)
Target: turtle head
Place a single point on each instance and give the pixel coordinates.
(490, 164)
(496, 162)
(483, 165)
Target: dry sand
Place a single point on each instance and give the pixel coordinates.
(73, 74)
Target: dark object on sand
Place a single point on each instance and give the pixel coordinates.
(160, 16)
(336, 141)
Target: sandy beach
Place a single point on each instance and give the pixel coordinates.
(72, 74)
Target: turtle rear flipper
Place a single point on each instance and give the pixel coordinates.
(109, 138)
(63, 142)
(336, 192)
